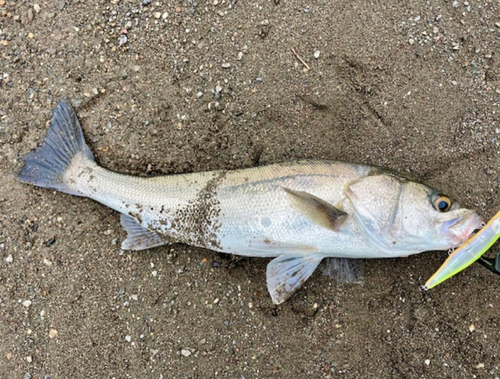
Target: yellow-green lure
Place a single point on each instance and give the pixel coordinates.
(467, 253)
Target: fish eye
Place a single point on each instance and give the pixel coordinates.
(442, 203)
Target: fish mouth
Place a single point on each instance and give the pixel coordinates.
(458, 230)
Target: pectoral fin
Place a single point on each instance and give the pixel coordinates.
(318, 210)
(286, 273)
(138, 237)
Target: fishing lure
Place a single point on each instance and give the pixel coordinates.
(469, 252)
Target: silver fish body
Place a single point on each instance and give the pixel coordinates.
(298, 212)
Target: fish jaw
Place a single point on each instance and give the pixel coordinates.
(458, 230)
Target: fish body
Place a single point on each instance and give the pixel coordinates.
(298, 212)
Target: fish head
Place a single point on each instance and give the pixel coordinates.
(406, 217)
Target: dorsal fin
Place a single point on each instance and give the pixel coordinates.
(318, 210)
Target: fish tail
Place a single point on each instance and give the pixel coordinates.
(45, 166)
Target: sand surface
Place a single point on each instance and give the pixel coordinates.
(183, 86)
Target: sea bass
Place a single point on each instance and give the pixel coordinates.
(298, 213)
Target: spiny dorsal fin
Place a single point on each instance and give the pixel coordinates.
(287, 273)
(318, 210)
(138, 237)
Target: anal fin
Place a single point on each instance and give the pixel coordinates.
(287, 273)
(138, 237)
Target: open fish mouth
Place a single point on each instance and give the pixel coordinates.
(459, 229)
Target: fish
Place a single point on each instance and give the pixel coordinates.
(297, 213)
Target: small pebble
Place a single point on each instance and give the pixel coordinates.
(9, 258)
(53, 333)
(157, 15)
(240, 56)
(134, 297)
(122, 40)
(31, 14)
(146, 2)
(185, 352)
(47, 262)
(472, 328)
(154, 272)
(427, 362)
(9, 356)
(455, 4)
(27, 303)
(29, 359)
(50, 241)
(27, 375)
(411, 41)
(199, 94)
(226, 65)
(317, 53)
(48, 15)
(36, 7)
(128, 338)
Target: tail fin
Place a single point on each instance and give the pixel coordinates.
(45, 166)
